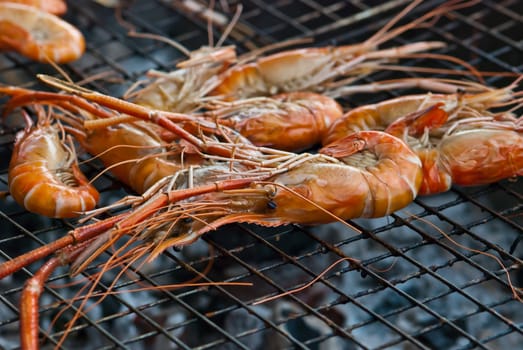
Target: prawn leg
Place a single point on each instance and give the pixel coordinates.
(33, 288)
(147, 211)
(30, 304)
(75, 236)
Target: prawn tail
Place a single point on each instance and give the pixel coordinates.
(435, 178)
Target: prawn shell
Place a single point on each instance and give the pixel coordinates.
(393, 181)
(138, 165)
(147, 172)
(377, 116)
(33, 182)
(33, 186)
(300, 124)
(272, 74)
(56, 7)
(316, 182)
(39, 35)
(386, 184)
(482, 156)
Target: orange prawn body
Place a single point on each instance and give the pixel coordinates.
(306, 69)
(368, 174)
(44, 177)
(482, 156)
(381, 115)
(38, 35)
(272, 74)
(375, 174)
(465, 153)
(131, 153)
(290, 122)
(56, 7)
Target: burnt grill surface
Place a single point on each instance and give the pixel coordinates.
(428, 276)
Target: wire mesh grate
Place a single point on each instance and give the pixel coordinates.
(427, 276)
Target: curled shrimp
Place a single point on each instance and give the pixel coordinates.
(316, 69)
(38, 35)
(380, 115)
(292, 121)
(470, 151)
(43, 173)
(367, 174)
(56, 7)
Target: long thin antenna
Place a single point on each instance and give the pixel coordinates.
(231, 25)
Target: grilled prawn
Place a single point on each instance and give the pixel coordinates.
(470, 151)
(43, 173)
(317, 69)
(380, 115)
(292, 121)
(38, 35)
(368, 174)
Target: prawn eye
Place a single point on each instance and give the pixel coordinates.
(272, 205)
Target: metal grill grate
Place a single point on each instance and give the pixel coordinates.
(412, 287)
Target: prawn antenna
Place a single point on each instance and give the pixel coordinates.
(163, 39)
(210, 34)
(384, 35)
(231, 25)
(59, 69)
(516, 292)
(307, 285)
